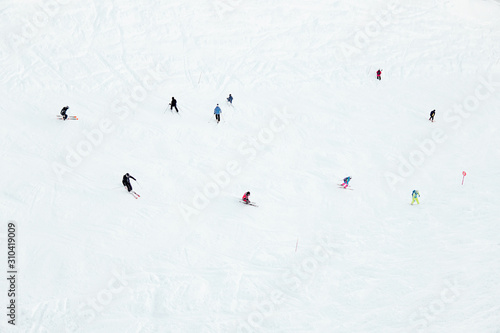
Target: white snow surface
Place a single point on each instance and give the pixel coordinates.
(187, 256)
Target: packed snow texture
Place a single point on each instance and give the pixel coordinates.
(187, 256)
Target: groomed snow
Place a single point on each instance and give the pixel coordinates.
(308, 111)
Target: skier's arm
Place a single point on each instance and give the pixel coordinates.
(133, 178)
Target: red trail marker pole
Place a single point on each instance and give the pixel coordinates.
(463, 174)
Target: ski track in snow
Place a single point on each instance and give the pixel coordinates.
(307, 112)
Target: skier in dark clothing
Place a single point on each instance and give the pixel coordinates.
(63, 112)
(173, 104)
(126, 181)
(230, 99)
(433, 113)
(379, 72)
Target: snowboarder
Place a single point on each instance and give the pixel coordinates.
(173, 104)
(433, 112)
(346, 182)
(230, 99)
(245, 197)
(217, 113)
(379, 72)
(63, 112)
(415, 195)
(126, 181)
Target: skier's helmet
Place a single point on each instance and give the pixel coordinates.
(248, 193)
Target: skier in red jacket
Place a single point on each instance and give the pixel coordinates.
(245, 197)
(379, 72)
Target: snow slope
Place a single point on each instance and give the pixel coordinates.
(308, 111)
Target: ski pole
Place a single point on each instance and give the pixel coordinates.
(166, 109)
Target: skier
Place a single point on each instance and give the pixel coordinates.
(245, 197)
(346, 182)
(433, 112)
(379, 72)
(63, 112)
(217, 113)
(173, 104)
(126, 181)
(230, 99)
(414, 196)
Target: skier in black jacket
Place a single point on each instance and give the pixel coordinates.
(433, 113)
(63, 112)
(173, 104)
(126, 181)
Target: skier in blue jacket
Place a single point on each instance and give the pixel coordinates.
(346, 182)
(230, 99)
(217, 113)
(414, 196)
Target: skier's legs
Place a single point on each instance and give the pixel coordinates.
(129, 187)
(176, 108)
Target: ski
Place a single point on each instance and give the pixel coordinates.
(135, 194)
(346, 188)
(250, 204)
(69, 118)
